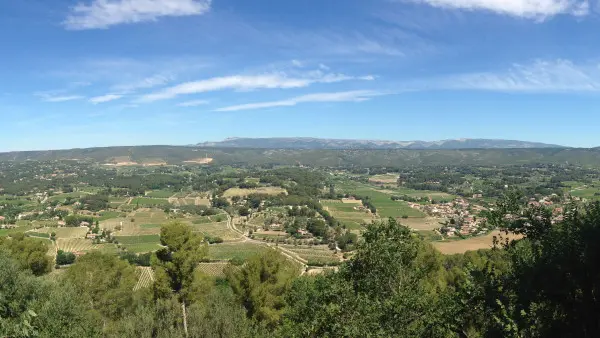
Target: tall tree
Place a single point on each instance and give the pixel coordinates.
(105, 281)
(260, 285)
(387, 289)
(176, 263)
(31, 253)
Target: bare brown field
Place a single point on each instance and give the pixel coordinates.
(351, 201)
(154, 164)
(450, 247)
(121, 161)
(262, 190)
(201, 201)
(319, 271)
(205, 160)
(427, 223)
(385, 178)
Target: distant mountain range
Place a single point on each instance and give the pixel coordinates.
(319, 143)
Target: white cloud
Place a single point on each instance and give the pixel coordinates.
(148, 82)
(194, 103)
(349, 96)
(297, 63)
(106, 13)
(105, 98)
(538, 76)
(248, 82)
(62, 98)
(532, 9)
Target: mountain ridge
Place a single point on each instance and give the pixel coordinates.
(341, 144)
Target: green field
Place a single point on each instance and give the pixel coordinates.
(144, 223)
(138, 239)
(143, 247)
(590, 192)
(8, 232)
(150, 226)
(62, 197)
(38, 234)
(317, 255)
(438, 195)
(202, 220)
(216, 230)
(110, 214)
(160, 194)
(149, 202)
(227, 251)
(345, 213)
(382, 201)
(65, 232)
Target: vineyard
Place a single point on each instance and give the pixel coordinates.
(80, 245)
(213, 269)
(216, 230)
(226, 251)
(138, 239)
(317, 255)
(76, 232)
(146, 278)
(138, 222)
(139, 244)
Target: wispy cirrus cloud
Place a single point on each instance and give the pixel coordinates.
(105, 13)
(538, 76)
(127, 74)
(145, 83)
(250, 82)
(105, 98)
(347, 96)
(193, 103)
(531, 9)
(58, 98)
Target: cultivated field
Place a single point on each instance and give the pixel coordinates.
(8, 232)
(426, 223)
(347, 214)
(145, 222)
(149, 202)
(316, 255)
(80, 245)
(226, 251)
(205, 160)
(146, 277)
(76, 232)
(160, 193)
(261, 190)
(213, 269)
(141, 243)
(219, 229)
(384, 178)
(474, 243)
(436, 195)
(382, 200)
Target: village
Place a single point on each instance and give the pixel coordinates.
(464, 218)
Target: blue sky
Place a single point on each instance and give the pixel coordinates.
(126, 72)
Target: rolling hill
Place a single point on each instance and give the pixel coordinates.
(153, 155)
(319, 143)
